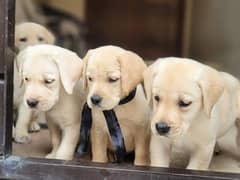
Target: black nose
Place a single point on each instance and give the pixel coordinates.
(162, 128)
(96, 99)
(32, 102)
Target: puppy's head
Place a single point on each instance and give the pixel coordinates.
(111, 73)
(47, 72)
(27, 34)
(181, 92)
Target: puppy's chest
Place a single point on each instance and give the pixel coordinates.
(64, 116)
(180, 152)
(127, 127)
(128, 121)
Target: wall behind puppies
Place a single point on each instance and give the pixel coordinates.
(215, 34)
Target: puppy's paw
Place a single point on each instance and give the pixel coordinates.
(22, 139)
(34, 127)
(51, 155)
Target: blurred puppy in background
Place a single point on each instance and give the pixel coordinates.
(51, 77)
(193, 106)
(27, 34)
(110, 74)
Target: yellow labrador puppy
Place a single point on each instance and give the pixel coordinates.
(27, 34)
(50, 75)
(193, 106)
(110, 74)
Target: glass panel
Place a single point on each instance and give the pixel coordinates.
(204, 30)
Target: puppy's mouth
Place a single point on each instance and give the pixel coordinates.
(32, 103)
(100, 103)
(99, 106)
(165, 130)
(38, 105)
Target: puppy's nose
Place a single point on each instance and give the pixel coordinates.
(32, 103)
(162, 128)
(96, 99)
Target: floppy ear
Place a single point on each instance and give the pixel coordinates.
(84, 72)
(50, 37)
(18, 62)
(212, 88)
(148, 75)
(70, 68)
(132, 68)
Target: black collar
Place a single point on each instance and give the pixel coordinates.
(128, 98)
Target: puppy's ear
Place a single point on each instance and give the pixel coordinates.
(211, 87)
(84, 72)
(132, 68)
(70, 68)
(21, 57)
(50, 37)
(148, 75)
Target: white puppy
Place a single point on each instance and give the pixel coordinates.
(193, 106)
(50, 74)
(27, 34)
(110, 74)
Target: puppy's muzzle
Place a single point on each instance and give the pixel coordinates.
(162, 128)
(96, 100)
(32, 103)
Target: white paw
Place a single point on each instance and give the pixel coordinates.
(23, 139)
(34, 127)
(50, 155)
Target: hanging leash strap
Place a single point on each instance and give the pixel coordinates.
(113, 128)
(86, 125)
(116, 134)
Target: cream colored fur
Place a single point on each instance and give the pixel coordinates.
(27, 34)
(112, 73)
(51, 76)
(194, 129)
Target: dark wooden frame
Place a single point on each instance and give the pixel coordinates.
(13, 167)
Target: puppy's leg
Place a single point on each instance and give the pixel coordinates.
(55, 135)
(160, 150)
(22, 125)
(99, 146)
(201, 157)
(142, 148)
(34, 126)
(69, 142)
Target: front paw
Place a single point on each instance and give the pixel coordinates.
(22, 138)
(34, 127)
(51, 155)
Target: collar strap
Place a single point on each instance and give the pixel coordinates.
(86, 124)
(113, 128)
(129, 97)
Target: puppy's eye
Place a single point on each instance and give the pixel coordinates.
(157, 98)
(40, 39)
(23, 39)
(111, 80)
(26, 79)
(90, 78)
(183, 104)
(49, 81)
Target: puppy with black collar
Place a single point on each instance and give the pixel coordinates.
(110, 75)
